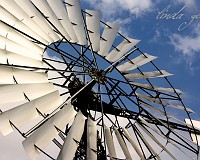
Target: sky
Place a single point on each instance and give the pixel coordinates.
(174, 39)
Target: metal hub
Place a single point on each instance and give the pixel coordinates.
(98, 75)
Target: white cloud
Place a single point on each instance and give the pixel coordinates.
(113, 8)
(156, 37)
(187, 46)
(188, 3)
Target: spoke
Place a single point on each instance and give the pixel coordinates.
(102, 114)
(83, 66)
(116, 119)
(114, 79)
(113, 66)
(136, 130)
(56, 46)
(88, 37)
(44, 69)
(72, 58)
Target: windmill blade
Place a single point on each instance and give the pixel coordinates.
(12, 58)
(22, 16)
(110, 143)
(157, 141)
(75, 16)
(19, 92)
(159, 101)
(153, 74)
(73, 138)
(148, 86)
(10, 19)
(136, 62)
(30, 10)
(11, 75)
(44, 7)
(153, 108)
(48, 131)
(196, 124)
(38, 20)
(131, 140)
(108, 37)
(161, 134)
(18, 49)
(148, 144)
(165, 125)
(60, 10)
(27, 112)
(122, 144)
(160, 111)
(122, 49)
(91, 139)
(93, 26)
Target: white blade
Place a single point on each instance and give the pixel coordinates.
(12, 58)
(163, 136)
(160, 111)
(110, 143)
(148, 86)
(136, 62)
(25, 113)
(74, 135)
(93, 25)
(157, 141)
(61, 13)
(153, 108)
(75, 16)
(18, 49)
(15, 92)
(47, 132)
(158, 101)
(11, 74)
(108, 38)
(22, 16)
(10, 19)
(196, 125)
(41, 25)
(131, 140)
(123, 48)
(122, 144)
(47, 11)
(91, 139)
(154, 74)
(149, 146)
(11, 34)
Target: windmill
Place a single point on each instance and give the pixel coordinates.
(86, 89)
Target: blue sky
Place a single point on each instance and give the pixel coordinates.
(175, 40)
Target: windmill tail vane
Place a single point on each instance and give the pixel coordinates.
(74, 87)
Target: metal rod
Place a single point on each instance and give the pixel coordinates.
(57, 109)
